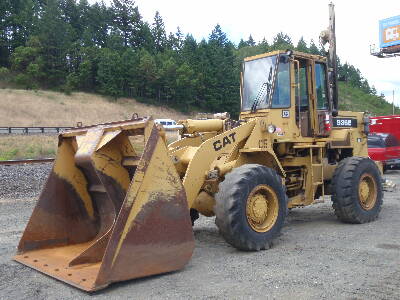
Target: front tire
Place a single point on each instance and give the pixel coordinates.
(251, 206)
(357, 190)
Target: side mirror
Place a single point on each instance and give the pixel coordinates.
(284, 58)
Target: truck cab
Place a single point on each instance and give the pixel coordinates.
(291, 90)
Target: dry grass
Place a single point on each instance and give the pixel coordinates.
(42, 146)
(27, 146)
(45, 108)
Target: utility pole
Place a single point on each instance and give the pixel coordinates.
(393, 104)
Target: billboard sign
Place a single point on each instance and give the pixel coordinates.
(389, 32)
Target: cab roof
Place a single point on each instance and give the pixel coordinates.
(295, 53)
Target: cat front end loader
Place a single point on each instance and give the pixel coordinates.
(113, 210)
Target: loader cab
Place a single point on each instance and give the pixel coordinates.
(290, 89)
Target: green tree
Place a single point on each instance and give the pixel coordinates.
(167, 73)
(84, 76)
(130, 62)
(314, 49)
(97, 22)
(147, 70)
(302, 46)
(282, 42)
(220, 79)
(144, 39)
(29, 64)
(109, 74)
(158, 33)
(242, 44)
(186, 86)
(189, 50)
(18, 20)
(251, 41)
(175, 41)
(54, 41)
(127, 20)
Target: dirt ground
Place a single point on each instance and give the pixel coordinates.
(316, 257)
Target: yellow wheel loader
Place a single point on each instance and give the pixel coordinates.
(114, 210)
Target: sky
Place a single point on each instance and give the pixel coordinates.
(357, 27)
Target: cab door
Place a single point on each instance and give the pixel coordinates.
(304, 97)
(323, 115)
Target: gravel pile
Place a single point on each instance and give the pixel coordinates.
(21, 181)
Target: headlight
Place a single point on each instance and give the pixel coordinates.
(271, 128)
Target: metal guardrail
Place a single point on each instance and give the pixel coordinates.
(25, 161)
(32, 130)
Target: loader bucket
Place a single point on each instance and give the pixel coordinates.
(107, 214)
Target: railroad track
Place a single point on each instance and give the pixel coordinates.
(25, 161)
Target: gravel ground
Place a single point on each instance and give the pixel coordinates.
(316, 257)
(22, 181)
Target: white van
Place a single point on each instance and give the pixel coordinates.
(168, 123)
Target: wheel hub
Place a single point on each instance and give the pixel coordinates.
(262, 208)
(367, 191)
(259, 208)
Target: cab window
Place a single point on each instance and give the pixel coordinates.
(281, 97)
(320, 80)
(302, 77)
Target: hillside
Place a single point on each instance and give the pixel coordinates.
(45, 108)
(354, 99)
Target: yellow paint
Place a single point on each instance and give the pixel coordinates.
(107, 136)
(108, 158)
(193, 126)
(194, 141)
(89, 142)
(262, 208)
(65, 168)
(160, 177)
(205, 155)
(263, 55)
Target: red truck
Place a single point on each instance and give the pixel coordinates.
(383, 141)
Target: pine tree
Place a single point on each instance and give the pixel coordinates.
(167, 77)
(314, 49)
(218, 37)
(242, 44)
(175, 41)
(52, 33)
(220, 78)
(97, 20)
(186, 86)
(147, 70)
(302, 46)
(109, 74)
(264, 46)
(18, 21)
(189, 50)
(251, 41)
(158, 33)
(127, 20)
(144, 38)
(282, 42)
(71, 14)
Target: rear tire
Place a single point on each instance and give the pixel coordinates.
(357, 190)
(251, 206)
